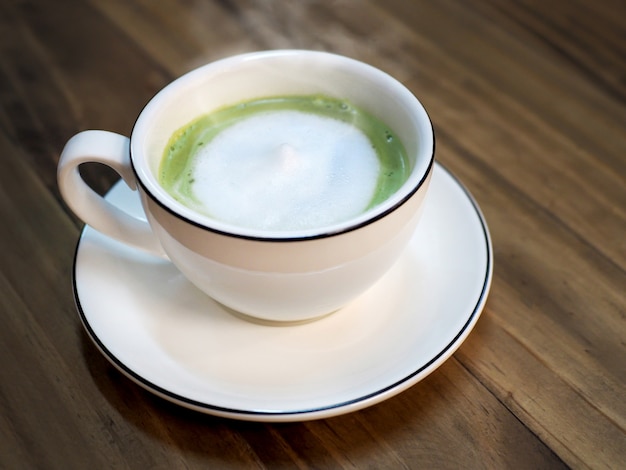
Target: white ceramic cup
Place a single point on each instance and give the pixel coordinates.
(279, 276)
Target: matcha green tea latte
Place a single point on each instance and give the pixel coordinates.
(284, 163)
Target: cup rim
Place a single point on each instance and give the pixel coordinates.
(149, 184)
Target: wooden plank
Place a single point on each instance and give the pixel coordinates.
(41, 352)
(570, 422)
(452, 424)
(211, 31)
(48, 95)
(529, 130)
(550, 289)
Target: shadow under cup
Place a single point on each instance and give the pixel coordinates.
(291, 275)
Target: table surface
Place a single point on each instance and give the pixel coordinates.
(528, 101)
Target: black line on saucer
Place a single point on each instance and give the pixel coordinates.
(199, 406)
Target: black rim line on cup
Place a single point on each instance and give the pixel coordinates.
(233, 413)
(296, 238)
(284, 239)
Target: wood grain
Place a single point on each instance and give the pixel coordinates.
(528, 100)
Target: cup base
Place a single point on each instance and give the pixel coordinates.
(275, 323)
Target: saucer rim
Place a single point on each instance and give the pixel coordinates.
(333, 409)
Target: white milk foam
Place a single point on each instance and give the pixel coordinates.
(286, 170)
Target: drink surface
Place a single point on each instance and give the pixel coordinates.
(284, 163)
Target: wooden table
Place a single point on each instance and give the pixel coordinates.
(528, 100)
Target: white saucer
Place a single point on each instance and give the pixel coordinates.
(171, 339)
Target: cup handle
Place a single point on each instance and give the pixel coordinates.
(112, 150)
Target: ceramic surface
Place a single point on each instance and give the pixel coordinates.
(172, 339)
(279, 275)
